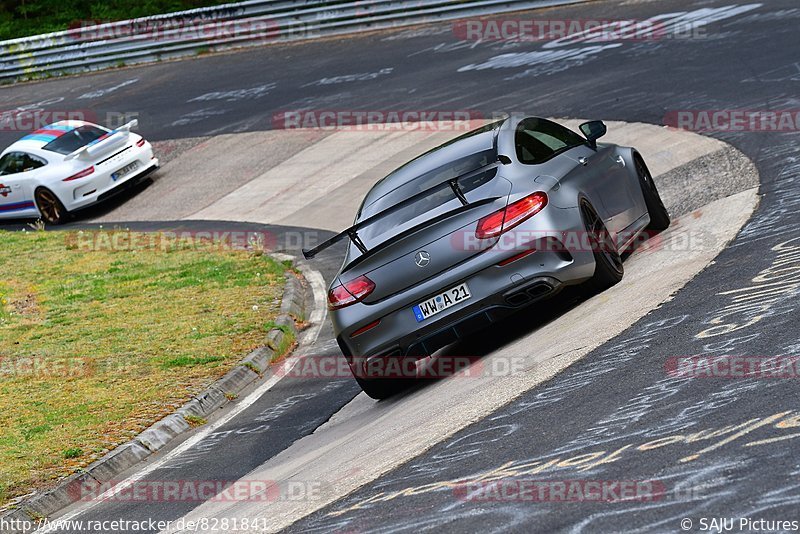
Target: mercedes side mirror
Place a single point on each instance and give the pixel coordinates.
(593, 130)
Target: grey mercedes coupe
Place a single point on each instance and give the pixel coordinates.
(483, 225)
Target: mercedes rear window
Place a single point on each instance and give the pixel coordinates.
(75, 139)
(430, 205)
(453, 158)
(442, 174)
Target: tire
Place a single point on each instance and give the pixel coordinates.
(659, 216)
(608, 270)
(50, 208)
(381, 388)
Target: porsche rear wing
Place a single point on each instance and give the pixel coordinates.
(452, 183)
(110, 140)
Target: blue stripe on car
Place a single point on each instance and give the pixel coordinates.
(17, 206)
(38, 137)
(47, 137)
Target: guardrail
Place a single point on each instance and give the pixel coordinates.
(225, 27)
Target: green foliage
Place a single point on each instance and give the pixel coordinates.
(195, 421)
(21, 18)
(72, 453)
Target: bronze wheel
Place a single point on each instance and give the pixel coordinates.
(50, 208)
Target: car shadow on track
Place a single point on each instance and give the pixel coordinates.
(519, 324)
(108, 206)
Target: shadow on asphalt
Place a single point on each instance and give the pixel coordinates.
(504, 332)
(513, 327)
(517, 325)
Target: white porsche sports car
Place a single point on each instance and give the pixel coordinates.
(70, 165)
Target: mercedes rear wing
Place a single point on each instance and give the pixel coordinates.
(352, 232)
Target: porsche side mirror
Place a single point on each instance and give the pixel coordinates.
(593, 130)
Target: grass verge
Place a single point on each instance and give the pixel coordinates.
(97, 345)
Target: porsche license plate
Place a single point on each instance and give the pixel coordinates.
(124, 170)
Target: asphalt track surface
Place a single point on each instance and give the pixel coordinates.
(619, 397)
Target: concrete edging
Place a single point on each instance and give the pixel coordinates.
(222, 392)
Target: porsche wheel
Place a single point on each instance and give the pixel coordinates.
(659, 217)
(51, 209)
(608, 268)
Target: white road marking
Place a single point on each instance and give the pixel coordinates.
(344, 78)
(197, 116)
(237, 94)
(103, 92)
(575, 56)
(679, 25)
(687, 24)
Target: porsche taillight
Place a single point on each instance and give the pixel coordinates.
(350, 292)
(82, 174)
(140, 143)
(507, 218)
